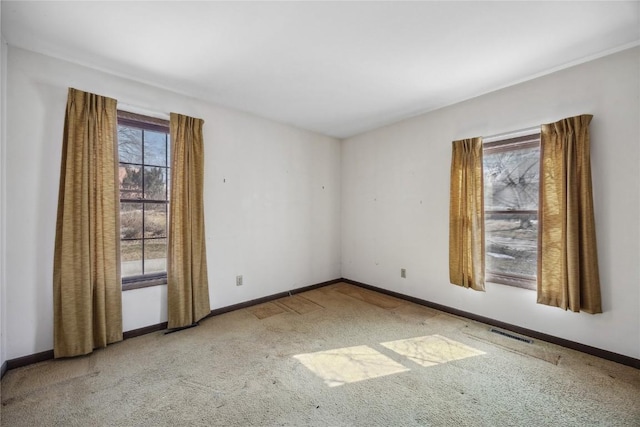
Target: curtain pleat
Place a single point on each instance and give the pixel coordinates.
(568, 274)
(86, 276)
(188, 288)
(466, 215)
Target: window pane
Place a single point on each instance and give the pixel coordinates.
(511, 244)
(143, 175)
(511, 179)
(155, 183)
(129, 144)
(155, 256)
(131, 257)
(155, 148)
(130, 220)
(130, 182)
(155, 220)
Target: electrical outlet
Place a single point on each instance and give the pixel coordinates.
(403, 273)
(238, 280)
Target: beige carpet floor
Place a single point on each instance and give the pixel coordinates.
(335, 356)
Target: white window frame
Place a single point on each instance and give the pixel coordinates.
(146, 123)
(529, 138)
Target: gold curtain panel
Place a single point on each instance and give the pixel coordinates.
(568, 274)
(86, 278)
(188, 288)
(466, 215)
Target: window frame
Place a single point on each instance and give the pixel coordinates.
(502, 145)
(145, 123)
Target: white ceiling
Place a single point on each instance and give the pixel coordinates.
(338, 68)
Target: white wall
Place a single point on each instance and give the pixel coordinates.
(272, 198)
(395, 199)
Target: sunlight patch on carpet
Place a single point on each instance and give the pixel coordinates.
(349, 365)
(431, 350)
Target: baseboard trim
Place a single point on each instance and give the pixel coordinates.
(18, 362)
(594, 351)
(144, 331)
(47, 355)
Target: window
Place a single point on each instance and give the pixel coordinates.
(511, 180)
(143, 150)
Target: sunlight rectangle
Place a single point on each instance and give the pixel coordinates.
(431, 350)
(349, 364)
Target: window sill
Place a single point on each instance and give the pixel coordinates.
(515, 281)
(144, 283)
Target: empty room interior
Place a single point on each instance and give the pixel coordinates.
(320, 213)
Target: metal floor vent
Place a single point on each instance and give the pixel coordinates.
(508, 335)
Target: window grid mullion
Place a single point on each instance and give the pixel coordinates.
(146, 279)
(504, 241)
(144, 205)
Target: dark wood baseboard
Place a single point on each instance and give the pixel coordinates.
(144, 331)
(594, 351)
(47, 355)
(29, 360)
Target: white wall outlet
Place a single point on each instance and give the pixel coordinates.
(239, 280)
(403, 273)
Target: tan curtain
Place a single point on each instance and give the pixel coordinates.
(87, 290)
(567, 258)
(188, 289)
(466, 215)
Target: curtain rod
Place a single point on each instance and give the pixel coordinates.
(512, 134)
(143, 111)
